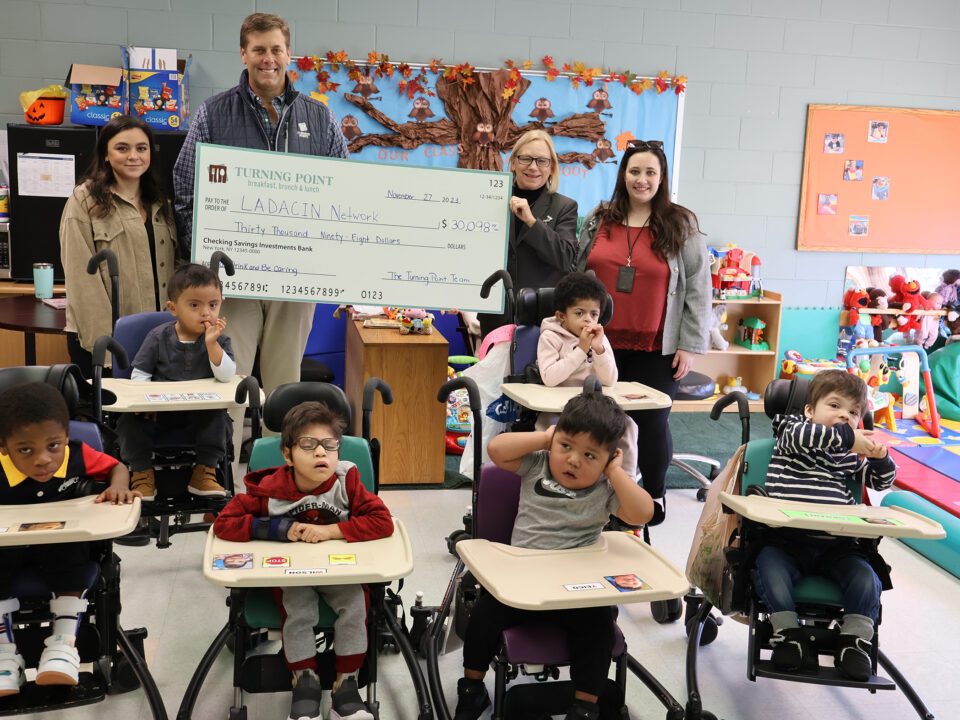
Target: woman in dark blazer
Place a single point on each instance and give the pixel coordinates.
(543, 227)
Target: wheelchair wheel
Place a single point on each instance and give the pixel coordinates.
(238, 713)
(455, 537)
(666, 611)
(708, 634)
(701, 494)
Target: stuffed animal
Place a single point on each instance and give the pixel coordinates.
(951, 324)
(906, 296)
(417, 321)
(718, 322)
(878, 301)
(855, 300)
(950, 283)
(930, 324)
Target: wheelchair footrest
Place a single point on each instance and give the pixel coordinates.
(824, 675)
(268, 673)
(35, 698)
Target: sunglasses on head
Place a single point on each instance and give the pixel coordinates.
(645, 144)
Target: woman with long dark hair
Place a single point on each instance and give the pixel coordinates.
(119, 204)
(650, 254)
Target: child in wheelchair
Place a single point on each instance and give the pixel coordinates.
(314, 497)
(812, 456)
(190, 348)
(571, 481)
(573, 346)
(41, 464)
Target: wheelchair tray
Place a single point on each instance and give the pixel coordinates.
(265, 563)
(205, 394)
(629, 396)
(76, 520)
(576, 577)
(848, 520)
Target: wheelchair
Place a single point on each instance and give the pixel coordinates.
(174, 456)
(819, 600)
(116, 654)
(539, 650)
(254, 611)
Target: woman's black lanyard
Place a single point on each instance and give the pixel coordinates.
(627, 273)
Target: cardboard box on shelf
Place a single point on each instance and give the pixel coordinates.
(97, 93)
(158, 87)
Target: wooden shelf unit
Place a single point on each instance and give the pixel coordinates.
(756, 367)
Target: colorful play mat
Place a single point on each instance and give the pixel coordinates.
(930, 468)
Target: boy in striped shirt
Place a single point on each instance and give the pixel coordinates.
(815, 453)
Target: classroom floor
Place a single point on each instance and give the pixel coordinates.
(164, 591)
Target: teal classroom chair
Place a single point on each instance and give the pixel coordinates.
(254, 611)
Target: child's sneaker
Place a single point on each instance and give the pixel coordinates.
(853, 657)
(59, 661)
(306, 697)
(472, 699)
(11, 669)
(583, 710)
(790, 649)
(203, 482)
(347, 704)
(145, 482)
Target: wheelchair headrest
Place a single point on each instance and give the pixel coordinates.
(534, 305)
(284, 397)
(65, 378)
(785, 397)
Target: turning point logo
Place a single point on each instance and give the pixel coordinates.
(217, 173)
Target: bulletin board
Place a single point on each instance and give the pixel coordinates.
(591, 125)
(880, 179)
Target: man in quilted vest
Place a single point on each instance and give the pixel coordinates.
(263, 112)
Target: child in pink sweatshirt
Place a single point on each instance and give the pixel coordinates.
(573, 346)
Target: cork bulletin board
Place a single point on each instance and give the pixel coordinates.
(879, 179)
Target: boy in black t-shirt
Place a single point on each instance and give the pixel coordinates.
(40, 464)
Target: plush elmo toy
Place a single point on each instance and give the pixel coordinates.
(906, 296)
(855, 300)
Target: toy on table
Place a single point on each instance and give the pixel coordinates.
(750, 334)
(416, 321)
(875, 372)
(718, 322)
(795, 364)
(735, 273)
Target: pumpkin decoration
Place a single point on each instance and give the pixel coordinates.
(44, 107)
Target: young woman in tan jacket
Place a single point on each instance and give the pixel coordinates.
(119, 204)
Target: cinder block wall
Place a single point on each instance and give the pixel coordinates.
(753, 67)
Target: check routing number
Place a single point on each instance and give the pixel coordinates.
(328, 230)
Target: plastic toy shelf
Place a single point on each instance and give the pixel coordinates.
(557, 579)
(332, 562)
(82, 520)
(847, 520)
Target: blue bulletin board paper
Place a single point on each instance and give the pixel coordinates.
(647, 116)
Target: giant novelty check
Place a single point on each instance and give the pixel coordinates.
(341, 231)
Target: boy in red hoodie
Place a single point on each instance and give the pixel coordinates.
(314, 497)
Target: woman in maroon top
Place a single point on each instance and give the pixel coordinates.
(649, 253)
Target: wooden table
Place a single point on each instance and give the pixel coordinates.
(24, 314)
(411, 430)
(577, 577)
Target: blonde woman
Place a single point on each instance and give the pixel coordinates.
(543, 223)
